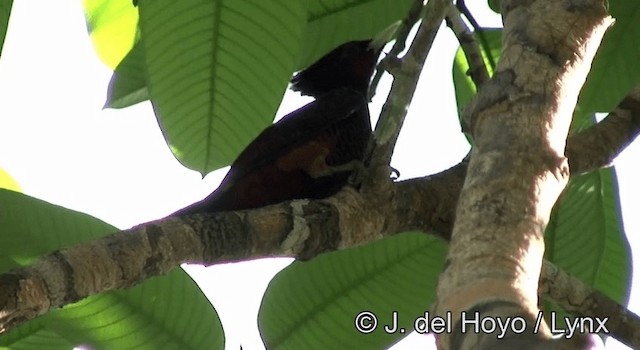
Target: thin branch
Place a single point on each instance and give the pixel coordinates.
(406, 72)
(598, 146)
(583, 301)
(403, 33)
(462, 6)
(477, 68)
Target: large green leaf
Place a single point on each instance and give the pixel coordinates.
(345, 19)
(128, 84)
(615, 69)
(112, 25)
(237, 108)
(585, 236)
(313, 305)
(333, 22)
(162, 313)
(34, 338)
(217, 70)
(5, 12)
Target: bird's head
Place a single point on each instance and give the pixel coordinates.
(350, 65)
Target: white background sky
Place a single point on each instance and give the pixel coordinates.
(59, 144)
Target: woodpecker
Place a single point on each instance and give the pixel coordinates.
(349, 65)
(311, 152)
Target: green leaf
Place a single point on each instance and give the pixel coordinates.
(162, 312)
(32, 228)
(112, 25)
(31, 337)
(8, 182)
(336, 17)
(231, 111)
(5, 12)
(465, 88)
(494, 5)
(313, 305)
(128, 84)
(217, 70)
(615, 69)
(581, 120)
(334, 22)
(585, 236)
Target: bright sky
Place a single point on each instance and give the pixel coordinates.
(59, 144)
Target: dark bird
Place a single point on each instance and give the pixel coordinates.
(311, 152)
(349, 65)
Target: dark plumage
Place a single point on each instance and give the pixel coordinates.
(349, 65)
(311, 152)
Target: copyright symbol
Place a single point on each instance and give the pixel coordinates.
(366, 322)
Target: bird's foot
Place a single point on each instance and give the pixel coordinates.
(354, 166)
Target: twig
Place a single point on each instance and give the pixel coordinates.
(403, 32)
(598, 146)
(406, 72)
(477, 68)
(460, 4)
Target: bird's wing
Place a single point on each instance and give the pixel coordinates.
(307, 140)
(297, 128)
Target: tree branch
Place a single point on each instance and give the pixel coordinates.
(598, 146)
(128, 257)
(584, 301)
(298, 228)
(406, 72)
(517, 168)
(462, 8)
(403, 33)
(477, 69)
